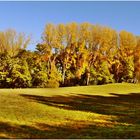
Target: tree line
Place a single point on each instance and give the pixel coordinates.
(69, 55)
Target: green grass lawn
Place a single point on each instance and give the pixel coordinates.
(107, 111)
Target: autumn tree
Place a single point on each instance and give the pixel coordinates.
(49, 48)
(68, 55)
(137, 62)
(126, 51)
(12, 42)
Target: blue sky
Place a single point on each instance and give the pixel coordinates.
(31, 17)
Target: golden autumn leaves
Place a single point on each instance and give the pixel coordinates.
(81, 53)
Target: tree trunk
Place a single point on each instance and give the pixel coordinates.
(88, 76)
(63, 74)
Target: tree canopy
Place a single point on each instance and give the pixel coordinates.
(69, 55)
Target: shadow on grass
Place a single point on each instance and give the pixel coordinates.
(42, 130)
(125, 106)
(38, 131)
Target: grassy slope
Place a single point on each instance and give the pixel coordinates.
(108, 111)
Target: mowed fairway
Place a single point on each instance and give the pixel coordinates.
(107, 111)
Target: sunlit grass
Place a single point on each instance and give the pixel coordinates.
(107, 111)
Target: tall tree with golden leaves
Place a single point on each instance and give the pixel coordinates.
(137, 62)
(11, 42)
(127, 47)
